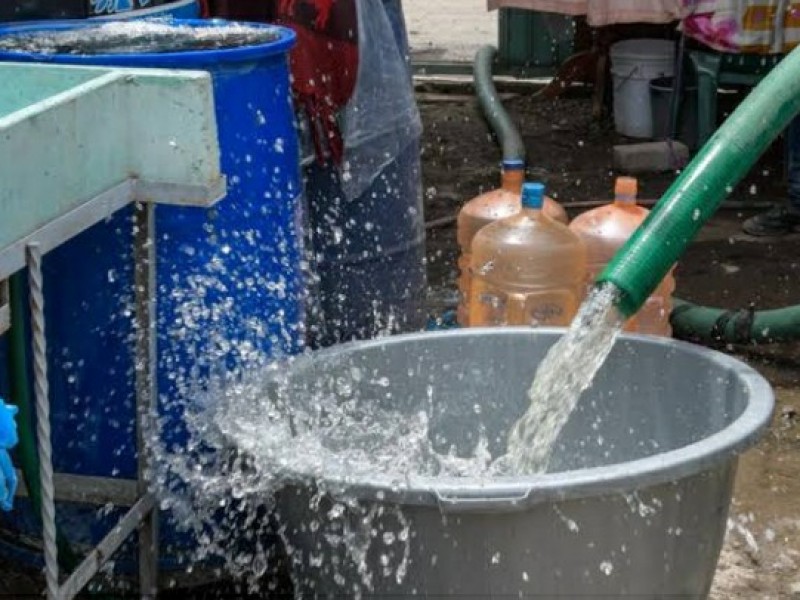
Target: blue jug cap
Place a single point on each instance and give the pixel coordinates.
(533, 195)
(514, 165)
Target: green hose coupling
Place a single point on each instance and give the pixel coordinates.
(643, 262)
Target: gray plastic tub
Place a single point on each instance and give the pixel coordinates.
(635, 504)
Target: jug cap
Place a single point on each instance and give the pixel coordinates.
(533, 195)
(513, 164)
(626, 189)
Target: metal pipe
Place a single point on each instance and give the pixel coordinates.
(677, 89)
(106, 549)
(146, 385)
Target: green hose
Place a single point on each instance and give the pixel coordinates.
(493, 109)
(20, 392)
(715, 325)
(644, 261)
(21, 397)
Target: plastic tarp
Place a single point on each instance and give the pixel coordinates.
(352, 80)
(381, 119)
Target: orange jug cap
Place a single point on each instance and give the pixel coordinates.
(626, 189)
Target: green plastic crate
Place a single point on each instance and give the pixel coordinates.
(535, 43)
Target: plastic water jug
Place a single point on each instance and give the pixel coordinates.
(527, 269)
(488, 208)
(605, 230)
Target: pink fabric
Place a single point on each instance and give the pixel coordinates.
(752, 26)
(602, 12)
(719, 34)
(749, 26)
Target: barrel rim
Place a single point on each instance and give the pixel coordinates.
(646, 50)
(511, 494)
(189, 58)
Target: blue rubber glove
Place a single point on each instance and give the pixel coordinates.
(8, 439)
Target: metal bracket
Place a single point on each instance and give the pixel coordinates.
(139, 513)
(102, 206)
(83, 489)
(5, 308)
(142, 516)
(204, 196)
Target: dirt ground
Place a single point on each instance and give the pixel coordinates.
(571, 153)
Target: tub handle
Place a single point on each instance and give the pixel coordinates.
(453, 502)
(627, 78)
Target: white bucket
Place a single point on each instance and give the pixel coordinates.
(634, 64)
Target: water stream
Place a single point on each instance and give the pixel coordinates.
(566, 372)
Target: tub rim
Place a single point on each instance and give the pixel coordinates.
(284, 41)
(512, 494)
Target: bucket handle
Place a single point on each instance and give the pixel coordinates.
(454, 503)
(625, 80)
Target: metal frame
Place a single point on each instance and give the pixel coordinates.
(146, 393)
(84, 489)
(5, 309)
(143, 514)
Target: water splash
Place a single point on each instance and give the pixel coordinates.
(259, 440)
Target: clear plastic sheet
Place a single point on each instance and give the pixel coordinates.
(382, 118)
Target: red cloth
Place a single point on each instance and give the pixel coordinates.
(324, 61)
(324, 64)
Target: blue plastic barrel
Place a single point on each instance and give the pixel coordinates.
(121, 10)
(369, 251)
(243, 256)
(177, 9)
